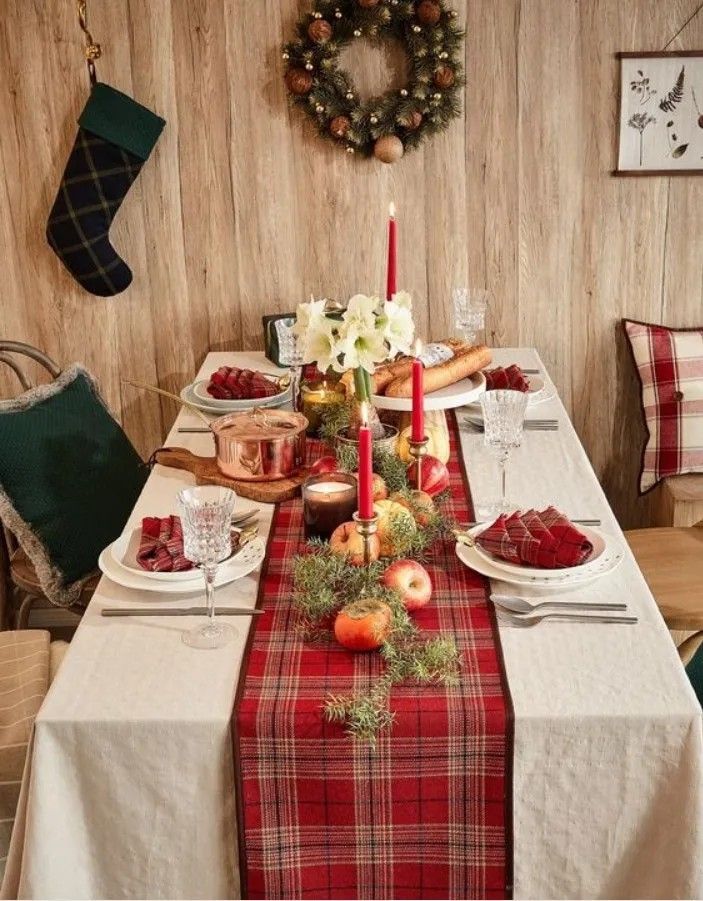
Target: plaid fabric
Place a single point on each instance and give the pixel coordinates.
(94, 184)
(670, 367)
(229, 382)
(544, 539)
(421, 816)
(161, 545)
(510, 377)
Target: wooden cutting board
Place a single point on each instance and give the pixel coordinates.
(206, 473)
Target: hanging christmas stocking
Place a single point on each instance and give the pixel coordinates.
(115, 137)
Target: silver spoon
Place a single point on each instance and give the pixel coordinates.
(522, 606)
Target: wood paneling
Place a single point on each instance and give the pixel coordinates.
(243, 210)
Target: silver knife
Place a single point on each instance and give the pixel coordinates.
(178, 611)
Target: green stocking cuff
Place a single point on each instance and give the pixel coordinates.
(117, 118)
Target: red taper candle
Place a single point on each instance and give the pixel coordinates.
(418, 417)
(365, 467)
(392, 277)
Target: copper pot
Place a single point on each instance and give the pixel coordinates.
(259, 445)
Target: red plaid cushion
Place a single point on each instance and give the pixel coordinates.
(670, 366)
(161, 545)
(543, 539)
(506, 377)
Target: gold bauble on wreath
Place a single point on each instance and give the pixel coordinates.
(428, 12)
(444, 77)
(320, 31)
(388, 149)
(298, 81)
(339, 126)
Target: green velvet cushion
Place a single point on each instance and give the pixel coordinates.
(69, 473)
(694, 671)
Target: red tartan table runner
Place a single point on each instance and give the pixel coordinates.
(426, 814)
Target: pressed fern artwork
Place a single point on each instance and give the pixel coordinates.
(661, 122)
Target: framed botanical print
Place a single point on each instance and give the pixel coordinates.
(661, 113)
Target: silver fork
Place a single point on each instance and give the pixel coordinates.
(526, 621)
(522, 607)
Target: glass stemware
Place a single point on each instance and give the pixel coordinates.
(291, 355)
(503, 420)
(469, 311)
(206, 515)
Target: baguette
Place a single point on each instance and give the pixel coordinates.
(383, 375)
(466, 360)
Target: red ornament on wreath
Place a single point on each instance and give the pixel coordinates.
(428, 12)
(412, 121)
(298, 81)
(320, 31)
(339, 126)
(367, 4)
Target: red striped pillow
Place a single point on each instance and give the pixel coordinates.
(670, 366)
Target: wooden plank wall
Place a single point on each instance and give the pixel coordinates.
(241, 210)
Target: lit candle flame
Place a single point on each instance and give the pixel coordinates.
(418, 347)
(391, 210)
(364, 414)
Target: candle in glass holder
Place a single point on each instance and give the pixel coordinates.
(329, 499)
(316, 399)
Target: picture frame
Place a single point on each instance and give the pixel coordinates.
(661, 113)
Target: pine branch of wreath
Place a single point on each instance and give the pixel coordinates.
(396, 121)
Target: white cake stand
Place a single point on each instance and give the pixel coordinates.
(457, 395)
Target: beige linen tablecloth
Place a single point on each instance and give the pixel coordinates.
(131, 791)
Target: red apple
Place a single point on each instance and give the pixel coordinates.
(347, 542)
(324, 464)
(412, 580)
(435, 475)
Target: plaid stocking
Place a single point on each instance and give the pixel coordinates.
(115, 137)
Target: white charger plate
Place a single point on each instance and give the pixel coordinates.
(231, 406)
(568, 582)
(538, 393)
(243, 563)
(596, 537)
(457, 395)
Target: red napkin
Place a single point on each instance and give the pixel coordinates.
(543, 539)
(161, 545)
(509, 377)
(231, 383)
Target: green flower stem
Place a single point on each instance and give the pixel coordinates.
(362, 384)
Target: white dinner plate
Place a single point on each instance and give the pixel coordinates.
(199, 391)
(219, 408)
(597, 538)
(240, 565)
(457, 395)
(567, 581)
(538, 393)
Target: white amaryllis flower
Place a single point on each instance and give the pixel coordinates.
(364, 349)
(322, 344)
(360, 314)
(309, 316)
(398, 328)
(403, 299)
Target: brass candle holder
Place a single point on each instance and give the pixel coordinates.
(418, 450)
(366, 528)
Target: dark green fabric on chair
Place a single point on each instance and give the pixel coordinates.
(694, 671)
(69, 478)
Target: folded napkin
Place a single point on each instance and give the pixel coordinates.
(506, 377)
(543, 539)
(161, 545)
(231, 383)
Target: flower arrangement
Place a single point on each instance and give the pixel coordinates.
(368, 332)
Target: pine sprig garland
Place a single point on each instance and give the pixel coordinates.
(423, 107)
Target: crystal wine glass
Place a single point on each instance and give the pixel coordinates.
(206, 514)
(291, 355)
(503, 420)
(469, 311)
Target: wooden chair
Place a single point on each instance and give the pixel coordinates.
(20, 590)
(671, 560)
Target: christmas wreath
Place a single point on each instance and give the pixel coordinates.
(388, 125)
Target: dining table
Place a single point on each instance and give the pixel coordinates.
(129, 790)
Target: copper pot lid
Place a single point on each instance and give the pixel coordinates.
(260, 424)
